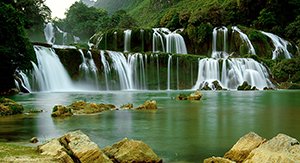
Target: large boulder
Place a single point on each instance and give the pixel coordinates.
(244, 146)
(74, 147)
(217, 85)
(82, 148)
(281, 148)
(61, 111)
(148, 105)
(131, 151)
(9, 107)
(55, 149)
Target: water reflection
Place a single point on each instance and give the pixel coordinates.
(178, 131)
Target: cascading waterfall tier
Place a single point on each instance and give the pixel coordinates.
(127, 40)
(281, 46)
(52, 33)
(232, 72)
(166, 41)
(222, 51)
(245, 39)
(89, 69)
(49, 74)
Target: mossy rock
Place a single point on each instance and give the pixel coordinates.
(61, 111)
(10, 107)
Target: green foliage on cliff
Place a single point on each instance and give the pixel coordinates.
(15, 49)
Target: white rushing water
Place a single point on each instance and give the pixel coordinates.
(49, 33)
(232, 73)
(245, 39)
(169, 72)
(281, 46)
(218, 52)
(166, 41)
(106, 68)
(49, 73)
(123, 68)
(127, 40)
(89, 69)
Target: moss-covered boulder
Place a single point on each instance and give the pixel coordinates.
(61, 111)
(127, 106)
(148, 105)
(217, 85)
(10, 107)
(246, 87)
(81, 107)
(197, 95)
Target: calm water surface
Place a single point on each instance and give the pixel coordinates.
(178, 131)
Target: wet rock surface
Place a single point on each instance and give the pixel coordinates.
(252, 148)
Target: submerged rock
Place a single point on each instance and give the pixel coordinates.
(131, 151)
(10, 107)
(148, 105)
(197, 95)
(253, 148)
(127, 106)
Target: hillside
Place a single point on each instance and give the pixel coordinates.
(113, 5)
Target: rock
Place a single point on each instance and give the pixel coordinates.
(181, 97)
(195, 96)
(148, 105)
(9, 107)
(244, 146)
(74, 147)
(268, 88)
(61, 111)
(281, 148)
(55, 149)
(81, 107)
(127, 106)
(131, 151)
(206, 87)
(246, 87)
(34, 140)
(82, 148)
(217, 160)
(217, 85)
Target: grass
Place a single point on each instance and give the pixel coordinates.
(10, 152)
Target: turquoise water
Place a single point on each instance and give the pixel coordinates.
(177, 131)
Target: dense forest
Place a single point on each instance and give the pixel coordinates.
(23, 18)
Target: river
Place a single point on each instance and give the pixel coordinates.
(178, 131)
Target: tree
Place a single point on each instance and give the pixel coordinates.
(82, 20)
(15, 48)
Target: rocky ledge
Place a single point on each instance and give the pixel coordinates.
(253, 148)
(77, 147)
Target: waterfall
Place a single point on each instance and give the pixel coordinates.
(89, 69)
(49, 33)
(280, 44)
(157, 70)
(174, 42)
(136, 62)
(245, 39)
(64, 36)
(234, 72)
(169, 72)
(157, 41)
(106, 68)
(25, 80)
(216, 51)
(123, 69)
(127, 40)
(50, 74)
